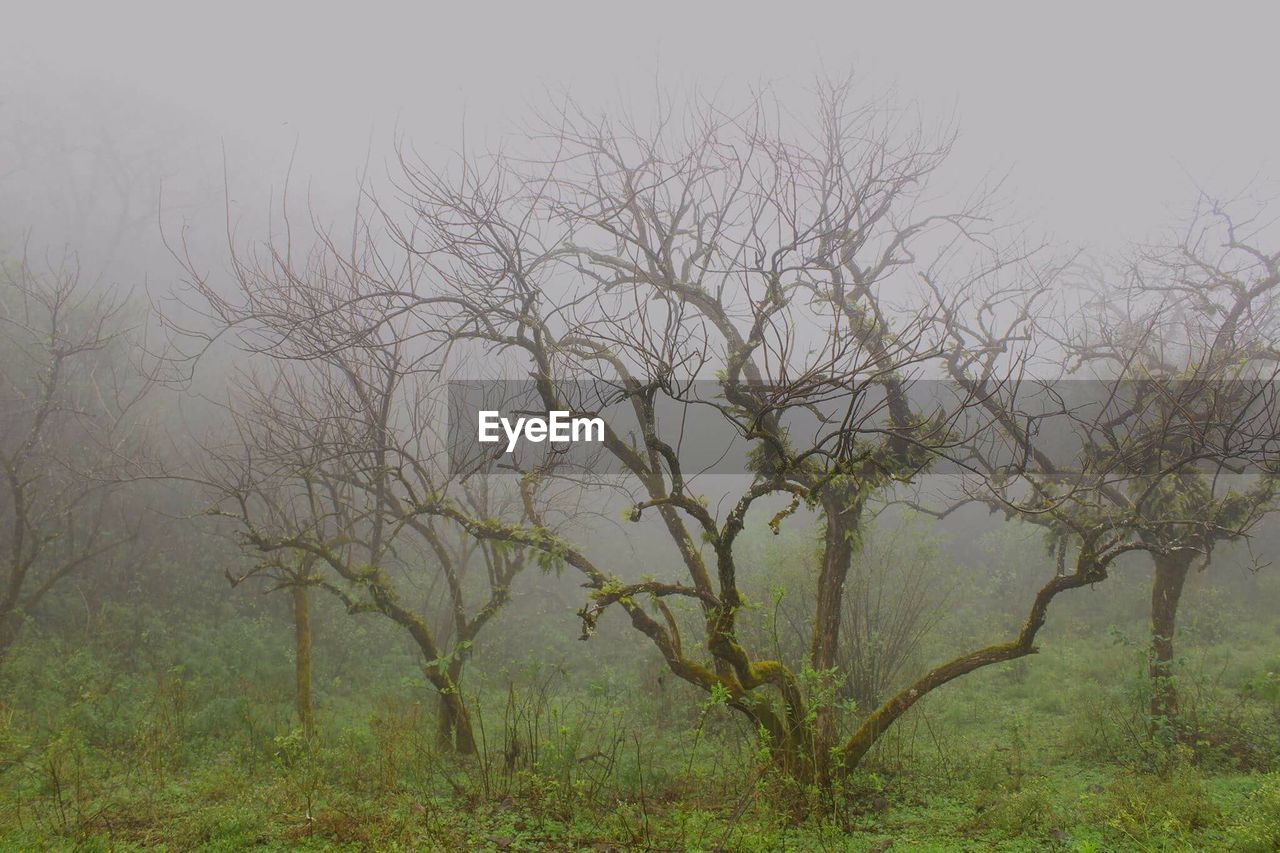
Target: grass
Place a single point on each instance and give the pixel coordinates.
(151, 732)
(220, 807)
(1046, 754)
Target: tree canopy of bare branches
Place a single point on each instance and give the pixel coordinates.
(788, 265)
(68, 434)
(331, 452)
(1163, 390)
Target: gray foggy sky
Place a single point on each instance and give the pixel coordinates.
(1104, 112)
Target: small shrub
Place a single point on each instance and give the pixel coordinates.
(1146, 807)
(1257, 826)
(1029, 810)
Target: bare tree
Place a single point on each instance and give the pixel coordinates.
(1163, 386)
(331, 452)
(68, 434)
(1210, 296)
(781, 268)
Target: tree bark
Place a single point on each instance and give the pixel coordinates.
(839, 540)
(453, 724)
(1166, 592)
(302, 663)
(453, 729)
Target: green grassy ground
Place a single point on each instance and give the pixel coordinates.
(226, 805)
(1051, 753)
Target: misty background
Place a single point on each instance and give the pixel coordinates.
(1102, 115)
(132, 132)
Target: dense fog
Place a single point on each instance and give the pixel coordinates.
(933, 357)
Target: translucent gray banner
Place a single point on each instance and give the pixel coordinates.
(1086, 427)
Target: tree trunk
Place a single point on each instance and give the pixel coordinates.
(453, 728)
(453, 725)
(1166, 592)
(302, 664)
(839, 539)
(11, 620)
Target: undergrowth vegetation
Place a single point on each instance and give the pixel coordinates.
(139, 731)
